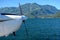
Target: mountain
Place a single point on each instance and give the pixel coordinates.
(57, 15)
(31, 10)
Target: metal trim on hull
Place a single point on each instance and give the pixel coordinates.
(7, 14)
(6, 20)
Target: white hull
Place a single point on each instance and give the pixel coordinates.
(10, 26)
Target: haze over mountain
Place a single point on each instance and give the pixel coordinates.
(31, 9)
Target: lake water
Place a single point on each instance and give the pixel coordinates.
(38, 29)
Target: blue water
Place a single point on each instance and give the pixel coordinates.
(38, 29)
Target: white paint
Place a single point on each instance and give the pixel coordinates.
(10, 26)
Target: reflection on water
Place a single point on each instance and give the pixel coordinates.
(38, 29)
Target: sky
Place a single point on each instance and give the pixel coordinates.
(14, 3)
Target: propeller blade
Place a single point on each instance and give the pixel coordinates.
(20, 9)
(26, 29)
(24, 21)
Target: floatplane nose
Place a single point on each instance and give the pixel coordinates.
(24, 17)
